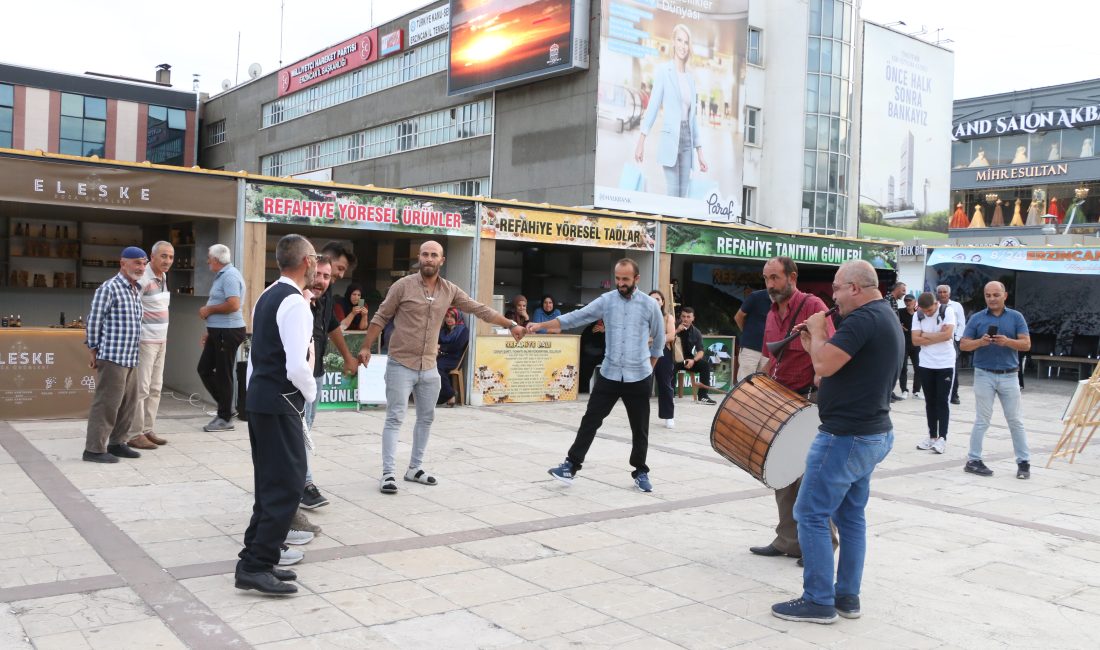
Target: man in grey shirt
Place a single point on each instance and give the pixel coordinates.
(635, 336)
(224, 334)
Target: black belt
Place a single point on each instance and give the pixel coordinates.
(1010, 371)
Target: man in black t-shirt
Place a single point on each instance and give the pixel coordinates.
(695, 355)
(858, 366)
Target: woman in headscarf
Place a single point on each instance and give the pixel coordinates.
(453, 337)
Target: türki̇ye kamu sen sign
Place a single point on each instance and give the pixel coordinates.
(346, 211)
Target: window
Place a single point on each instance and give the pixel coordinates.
(83, 125)
(756, 53)
(748, 198)
(416, 63)
(752, 125)
(469, 187)
(164, 135)
(7, 114)
(215, 133)
(427, 130)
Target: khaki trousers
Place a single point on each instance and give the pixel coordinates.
(112, 407)
(750, 361)
(786, 532)
(149, 383)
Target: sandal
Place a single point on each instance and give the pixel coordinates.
(388, 484)
(419, 476)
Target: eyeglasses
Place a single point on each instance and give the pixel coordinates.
(836, 287)
(316, 256)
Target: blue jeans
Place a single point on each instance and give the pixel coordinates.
(988, 385)
(836, 485)
(400, 383)
(678, 176)
(310, 414)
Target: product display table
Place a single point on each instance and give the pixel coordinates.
(44, 374)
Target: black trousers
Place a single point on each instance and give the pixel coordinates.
(635, 396)
(955, 377)
(279, 469)
(664, 373)
(216, 365)
(702, 368)
(937, 391)
(912, 353)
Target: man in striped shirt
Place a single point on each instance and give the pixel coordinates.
(154, 338)
(112, 337)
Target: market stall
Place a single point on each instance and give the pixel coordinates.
(44, 374)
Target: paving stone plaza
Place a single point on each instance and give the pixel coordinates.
(140, 554)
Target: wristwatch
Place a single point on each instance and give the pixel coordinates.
(514, 324)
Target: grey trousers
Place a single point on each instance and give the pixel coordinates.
(401, 382)
(113, 406)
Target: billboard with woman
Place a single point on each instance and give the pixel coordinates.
(670, 107)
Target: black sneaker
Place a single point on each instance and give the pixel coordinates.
(312, 498)
(708, 401)
(894, 397)
(804, 611)
(955, 401)
(122, 451)
(848, 606)
(1023, 470)
(977, 467)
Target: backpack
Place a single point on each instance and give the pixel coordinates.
(939, 315)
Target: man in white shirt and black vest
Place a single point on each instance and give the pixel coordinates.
(280, 384)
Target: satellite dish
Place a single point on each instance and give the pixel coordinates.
(254, 70)
(226, 84)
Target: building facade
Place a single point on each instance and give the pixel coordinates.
(98, 115)
(381, 115)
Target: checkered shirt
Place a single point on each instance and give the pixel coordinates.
(114, 323)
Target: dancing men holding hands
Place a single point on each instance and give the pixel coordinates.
(793, 368)
(858, 366)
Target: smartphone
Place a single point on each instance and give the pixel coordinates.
(362, 302)
(992, 331)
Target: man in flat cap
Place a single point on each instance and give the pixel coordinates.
(113, 337)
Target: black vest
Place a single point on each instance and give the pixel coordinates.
(268, 383)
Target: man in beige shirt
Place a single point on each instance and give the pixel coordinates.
(417, 305)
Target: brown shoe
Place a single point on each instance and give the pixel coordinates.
(141, 442)
(155, 438)
(299, 522)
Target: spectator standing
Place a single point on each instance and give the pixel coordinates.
(280, 384)
(155, 298)
(943, 295)
(912, 352)
(664, 373)
(113, 336)
(896, 293)
(996, 357)
(695, 354)
(224, 334)
(750, 318)
(417, 305)
(546, 311)
(453, 339)
(933, 333)
(635, 336)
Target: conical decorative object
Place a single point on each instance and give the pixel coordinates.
(1017, 218)
(1056, 210)
(998, 216)
(977, 221)
(1033, 214)
(959, 219)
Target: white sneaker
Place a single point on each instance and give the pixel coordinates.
(298, 537)
(670, 423)
(905, 394)
(925, 445)
(939, 446)
(288, 556)
(917, 395)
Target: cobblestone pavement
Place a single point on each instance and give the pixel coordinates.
(140, 554)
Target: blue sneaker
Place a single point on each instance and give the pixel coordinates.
(804, 611)
(848, 606)
(563, 472)
(641, 481)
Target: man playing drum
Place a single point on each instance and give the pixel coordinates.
(793, 368)
(858, 366)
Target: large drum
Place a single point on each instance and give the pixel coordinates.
(765, 429)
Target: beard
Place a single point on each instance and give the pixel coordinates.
(311, 274)
(428, 271)
(626, 290)
(779, 295)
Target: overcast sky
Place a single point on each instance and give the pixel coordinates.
(999, 46)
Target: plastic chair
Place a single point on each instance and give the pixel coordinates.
(456, 379)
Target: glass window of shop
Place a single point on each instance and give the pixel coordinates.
(83, 125)
(1020, 148)
(165, 135)
(7, 114)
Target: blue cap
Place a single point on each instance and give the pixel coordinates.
(133, 253)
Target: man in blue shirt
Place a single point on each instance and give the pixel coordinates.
(224, 334)
(113, 336)
(635, 340)
(751, 318)
(996, 335)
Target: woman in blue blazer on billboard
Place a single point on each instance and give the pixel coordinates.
(674, 92)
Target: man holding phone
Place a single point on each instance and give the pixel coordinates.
(996, 335)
